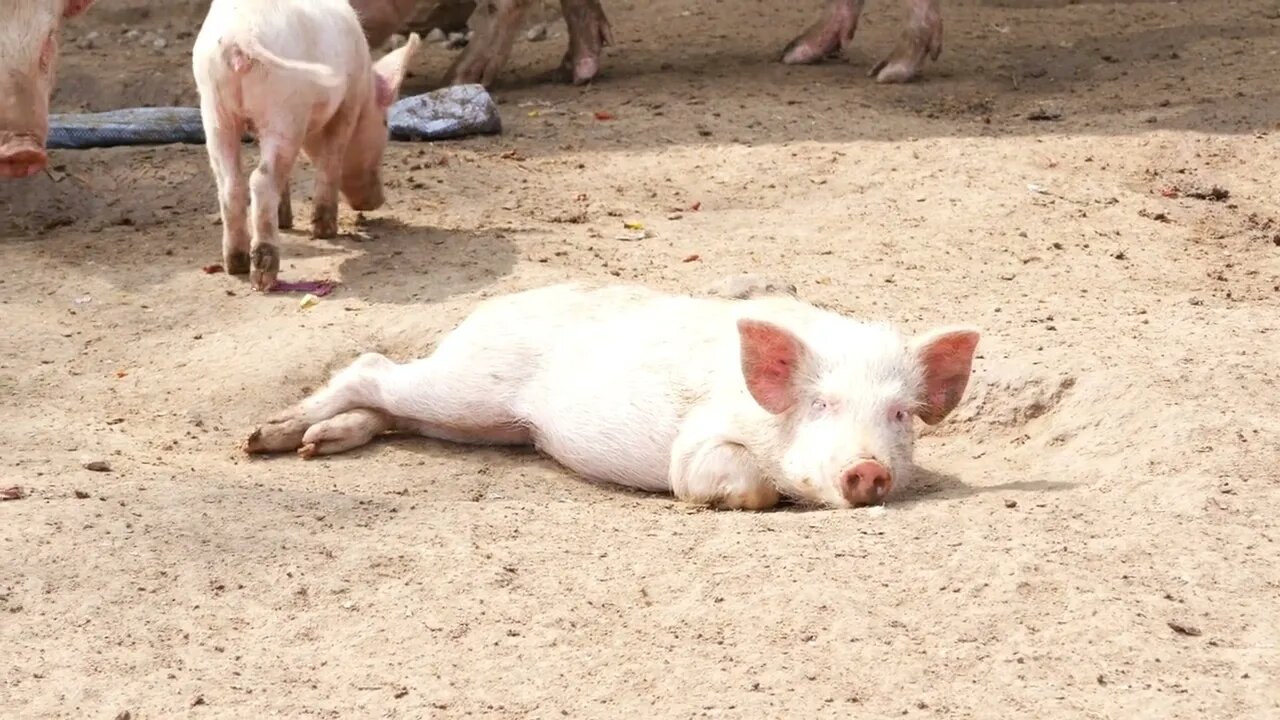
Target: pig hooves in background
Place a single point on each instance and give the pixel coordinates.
(236, 262)
(589, 34)
(828, 36)
(264, 266)
(919, 41)
(324, 222)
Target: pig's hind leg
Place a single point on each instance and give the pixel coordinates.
(279, 149)
(450, 395)
(223, 144)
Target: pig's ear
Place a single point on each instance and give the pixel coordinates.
(389, 72)
(773, 361)
(946, 357)
(73, 8)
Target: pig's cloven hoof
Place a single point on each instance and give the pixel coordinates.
(589, 34)
(906, 60)
(264, 266)
(236, 262)
(823, 39)
(280, 434)
(474, 65)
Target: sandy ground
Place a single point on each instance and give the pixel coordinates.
(1096, 532)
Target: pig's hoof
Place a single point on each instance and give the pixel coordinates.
(473, 66)
(324, 222)
(264, 267)
(307, 451)
(280, 434)
(236, 262)
(906, 60)
(826, 37)
(589, 34)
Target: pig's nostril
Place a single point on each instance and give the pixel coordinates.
(867, 482)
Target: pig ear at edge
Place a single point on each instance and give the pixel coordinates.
(772, 358)
(390, 70)
(946, 357)
(73, 8)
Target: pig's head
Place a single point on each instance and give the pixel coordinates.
(28, 65)
(844, 409)
(362, 166)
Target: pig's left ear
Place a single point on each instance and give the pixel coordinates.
(72, 8)
(389, 72)
(946, 357)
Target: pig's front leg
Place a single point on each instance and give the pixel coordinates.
(272, 174)
(829, 35)
(223, 144)
(487, 52)
(326, 155)
(921, 38)
(709, 470)
(589, 34)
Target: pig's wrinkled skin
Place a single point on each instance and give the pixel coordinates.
(729, 403)
(589, 33)
(28, 68)
(298, 73)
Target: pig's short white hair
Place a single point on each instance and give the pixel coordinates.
(20, 18)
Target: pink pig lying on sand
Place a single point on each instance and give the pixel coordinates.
(299, 74)
(728, 403)
(28, 67)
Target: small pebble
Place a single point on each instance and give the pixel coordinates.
(537, 33)
(1011, 503)
(436, 36)
(81, 495)
(97, 466)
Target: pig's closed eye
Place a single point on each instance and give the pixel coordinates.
(819, 405)
(900, 414)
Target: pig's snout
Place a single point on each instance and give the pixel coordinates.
(21, 155)
(866, 483)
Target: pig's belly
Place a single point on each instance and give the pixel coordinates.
(616, 426)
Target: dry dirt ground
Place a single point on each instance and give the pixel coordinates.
(1096, 531)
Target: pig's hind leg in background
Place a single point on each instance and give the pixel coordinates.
(483, 58)
(223, 144)
(920, 39)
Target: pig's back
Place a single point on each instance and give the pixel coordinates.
(622, 367)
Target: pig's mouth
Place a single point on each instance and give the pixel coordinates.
(21, 157)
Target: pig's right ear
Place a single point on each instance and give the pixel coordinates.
(389, 71)
(73, 8)
(773, 360)
(946, 357)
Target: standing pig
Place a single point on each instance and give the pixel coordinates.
(28, 67)
(299, 74)
(728, 403)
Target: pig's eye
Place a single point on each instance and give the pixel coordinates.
(819, 405)
(900, 416)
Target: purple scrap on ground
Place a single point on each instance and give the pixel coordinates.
(319, 288)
